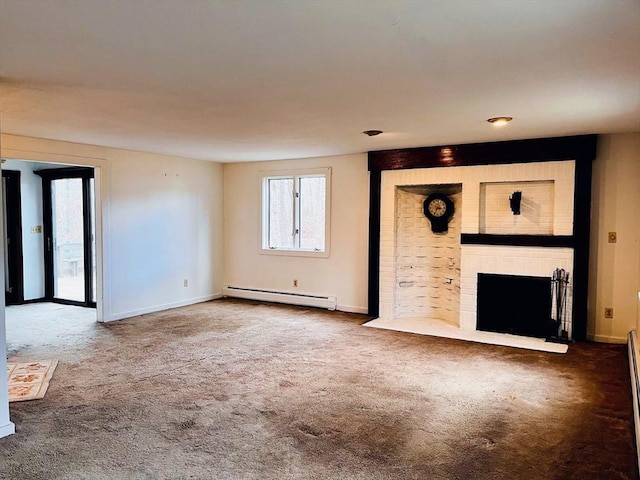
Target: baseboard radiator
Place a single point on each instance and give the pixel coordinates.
(634, 358)
(281, 297)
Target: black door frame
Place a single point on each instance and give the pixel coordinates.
(48, 176)
(14, 292)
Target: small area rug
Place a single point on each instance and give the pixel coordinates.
(29, 381)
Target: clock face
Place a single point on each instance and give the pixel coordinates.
(437, 207)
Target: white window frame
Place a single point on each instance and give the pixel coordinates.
(264, 208)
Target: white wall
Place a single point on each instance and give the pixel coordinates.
(6, 426)
(166, 226)
(343, 274)
(614, 276)
(32, 243)
(162, 223)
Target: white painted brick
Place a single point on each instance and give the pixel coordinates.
(472, 258)
(496, 217)
(423, 262)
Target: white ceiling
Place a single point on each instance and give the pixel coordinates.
(267, 79)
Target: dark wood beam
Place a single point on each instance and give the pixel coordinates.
(581, 233)
(513, 151)
(375, 182)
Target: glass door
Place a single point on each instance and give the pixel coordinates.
(68, 211)
(67, 236)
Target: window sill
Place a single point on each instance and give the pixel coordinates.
(294, 253)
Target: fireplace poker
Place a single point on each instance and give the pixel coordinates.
(559, 284)
(565, 286)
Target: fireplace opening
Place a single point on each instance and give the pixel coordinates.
(516, 304)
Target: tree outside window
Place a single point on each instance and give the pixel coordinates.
(295, 212)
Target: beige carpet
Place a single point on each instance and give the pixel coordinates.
(29, 381)
(238, 390)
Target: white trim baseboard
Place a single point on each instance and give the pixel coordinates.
(352, 309)
(8, 429)
(166, 306)
(607, 339)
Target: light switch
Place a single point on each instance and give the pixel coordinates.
(613, 237)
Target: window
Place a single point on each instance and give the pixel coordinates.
(295, 218)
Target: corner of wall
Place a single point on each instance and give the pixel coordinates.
(614, 268)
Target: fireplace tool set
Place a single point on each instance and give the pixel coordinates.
(559, 287)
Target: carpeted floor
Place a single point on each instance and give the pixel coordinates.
(239, 390)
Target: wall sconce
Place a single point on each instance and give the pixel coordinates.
(514, 201)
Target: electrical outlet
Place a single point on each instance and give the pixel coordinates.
(295, 283)
(185, 283)
(613, 237)
(608, 313)
(36, 229)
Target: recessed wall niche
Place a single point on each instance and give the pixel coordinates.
(536, 208)
(428, 264)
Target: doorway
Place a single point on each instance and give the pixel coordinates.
(91, 173)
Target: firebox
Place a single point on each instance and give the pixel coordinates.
(516, 304)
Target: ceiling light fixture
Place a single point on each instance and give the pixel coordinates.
(372, 133)
(499, 121)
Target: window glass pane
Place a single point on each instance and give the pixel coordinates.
(312, 214)
(68, 239)
(281, 213)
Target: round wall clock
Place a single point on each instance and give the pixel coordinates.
(438, 208)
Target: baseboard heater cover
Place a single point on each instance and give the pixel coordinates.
(328, 302)
(634, 357)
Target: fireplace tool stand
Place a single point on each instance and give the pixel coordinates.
(558, 317)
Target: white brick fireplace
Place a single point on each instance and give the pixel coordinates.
(433, 277)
